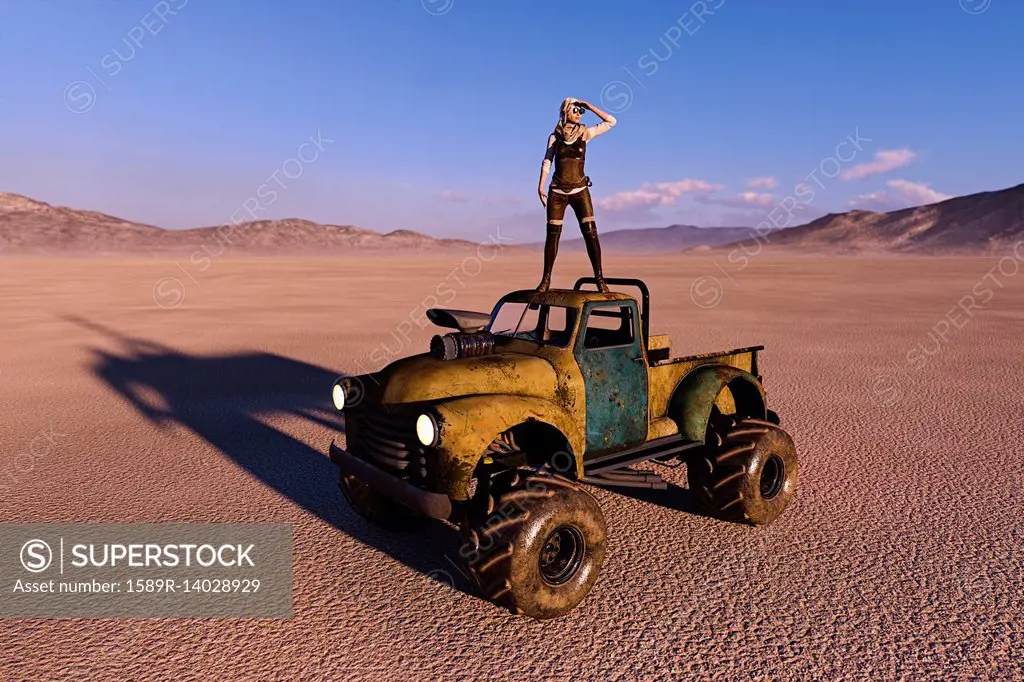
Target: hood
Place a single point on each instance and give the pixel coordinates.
(425, 378)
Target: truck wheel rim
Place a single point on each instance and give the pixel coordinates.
(561, 555)
(773, 475)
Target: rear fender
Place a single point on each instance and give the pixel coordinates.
(733, 390)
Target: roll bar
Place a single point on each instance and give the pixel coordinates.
(645, 298)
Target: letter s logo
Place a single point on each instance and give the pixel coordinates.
(36, 556)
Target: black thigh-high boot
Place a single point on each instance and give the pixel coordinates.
(589, 230)
(550, 251)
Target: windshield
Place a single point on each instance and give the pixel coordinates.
(548, 324)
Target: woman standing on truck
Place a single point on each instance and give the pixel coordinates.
(570, 186)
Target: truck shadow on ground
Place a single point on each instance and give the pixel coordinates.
(225, 399)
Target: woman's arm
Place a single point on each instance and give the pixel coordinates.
(607, 121)
(545, 167)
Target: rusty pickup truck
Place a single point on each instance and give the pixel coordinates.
(501, 425)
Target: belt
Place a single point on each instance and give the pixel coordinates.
(586, 183)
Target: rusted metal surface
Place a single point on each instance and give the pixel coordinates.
(740, 353)
(664, 378)
(470, 424)
(661, 427)
(659, 342)
(563, 297)
(615, 382)
(435, 505)
(600, 400)
(423, 378)
(706, 385)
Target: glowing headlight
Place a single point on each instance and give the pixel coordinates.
(426, 430)
(338, 395)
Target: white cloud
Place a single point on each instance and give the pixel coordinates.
(656, 194)
(452, 195)
(885, 160)
(904, 193)
(872, 200)
(762, 183)
(749, 200)
(754, 198)
(917, 192)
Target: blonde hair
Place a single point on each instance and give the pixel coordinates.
(565, 129)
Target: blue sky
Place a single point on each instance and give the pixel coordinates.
(433, 114)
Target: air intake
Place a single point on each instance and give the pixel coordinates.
(458, 345)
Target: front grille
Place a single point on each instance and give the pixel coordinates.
(386, 440)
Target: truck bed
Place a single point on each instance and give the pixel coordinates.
(663, 375)
(708, 356)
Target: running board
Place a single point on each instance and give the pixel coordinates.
(627, 478)
(659, 447)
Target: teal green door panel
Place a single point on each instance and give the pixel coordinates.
(615, 379)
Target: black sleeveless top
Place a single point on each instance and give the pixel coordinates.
(569, 160)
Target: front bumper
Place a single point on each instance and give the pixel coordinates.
(434, 505)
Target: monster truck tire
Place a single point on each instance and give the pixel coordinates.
(747, 472)
(377, 508)
(538, 545)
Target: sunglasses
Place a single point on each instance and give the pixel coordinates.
(578, 110)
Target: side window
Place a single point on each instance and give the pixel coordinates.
(609, 326)
(560, 323)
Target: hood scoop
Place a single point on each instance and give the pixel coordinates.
(466, 321)
(471, 340)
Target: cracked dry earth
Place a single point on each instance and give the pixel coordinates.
(900, 559)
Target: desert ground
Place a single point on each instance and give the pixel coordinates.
(901, 557)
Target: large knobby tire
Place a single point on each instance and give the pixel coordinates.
(379, 509)
(747, 472)
(537, 543)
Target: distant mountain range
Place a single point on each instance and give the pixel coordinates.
(655, 239)
(32, 227)
(983, 222)
(975, 223)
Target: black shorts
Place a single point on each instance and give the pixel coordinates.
(581, 204)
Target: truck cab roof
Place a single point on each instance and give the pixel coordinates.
(570, 298)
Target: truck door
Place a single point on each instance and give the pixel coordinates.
(609, 353)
